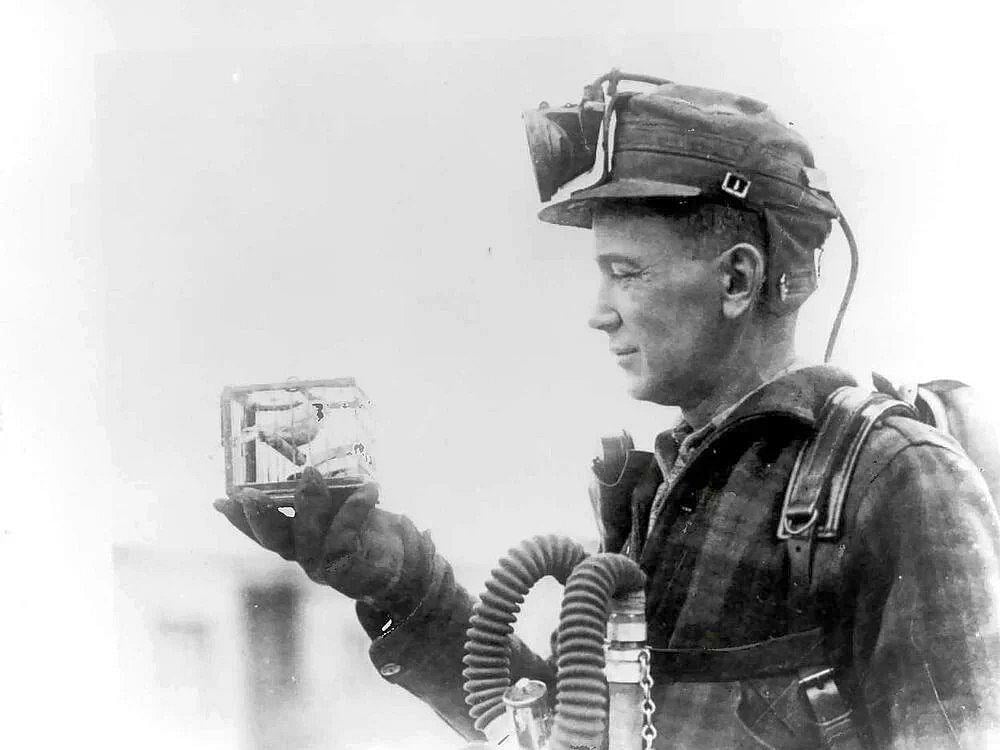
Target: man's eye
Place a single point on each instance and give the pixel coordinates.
(622, 271)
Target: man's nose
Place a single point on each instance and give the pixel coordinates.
(604, 318)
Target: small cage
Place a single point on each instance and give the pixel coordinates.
(272, 431)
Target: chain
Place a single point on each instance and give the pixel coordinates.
(647, 705)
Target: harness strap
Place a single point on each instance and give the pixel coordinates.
(828, 709)
(813, 510)
(770, 658)
(814, 500)
(810, 478)
(826, 463)
(938, 412)
(876, 407)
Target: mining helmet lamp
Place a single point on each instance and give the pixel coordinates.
(564, 141)
(680, 142)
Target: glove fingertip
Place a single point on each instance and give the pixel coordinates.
(245, 495)
(355, 511)
(366, 493)
(312, 485)
(311, 475)
(233, 512)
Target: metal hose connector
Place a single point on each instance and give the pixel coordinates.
(487, 652)
(581, 687)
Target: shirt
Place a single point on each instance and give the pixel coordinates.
(911, 620)
(672, 448)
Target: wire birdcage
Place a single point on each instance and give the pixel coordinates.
(272, 431)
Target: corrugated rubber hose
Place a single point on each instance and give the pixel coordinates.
(487, 652)
(581, 688)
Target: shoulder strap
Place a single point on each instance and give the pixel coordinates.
(813, 509)
(814, 499)
(822, 472)
(932, 409)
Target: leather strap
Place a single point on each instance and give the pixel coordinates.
(833, 717)
(775, 656)
(817, 459)
(822, 472)
(875, 408)
(813, 511)
(937, 411)
(807, 488)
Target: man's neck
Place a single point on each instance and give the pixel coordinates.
(740, 382)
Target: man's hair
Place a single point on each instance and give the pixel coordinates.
(788, 239)
(715, 227)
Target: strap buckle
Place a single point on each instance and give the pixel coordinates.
(786, 529)
(735, 184)
(792, 507)
(816, 679)
(833, 716)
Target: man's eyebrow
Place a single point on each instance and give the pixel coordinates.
(605, 258)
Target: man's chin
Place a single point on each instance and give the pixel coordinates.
(642, 390)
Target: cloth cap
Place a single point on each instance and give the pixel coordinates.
(691, 143)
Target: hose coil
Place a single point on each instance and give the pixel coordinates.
(487, 652)
(581, 687)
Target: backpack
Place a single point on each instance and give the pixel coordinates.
(814, 501)
(955, 409)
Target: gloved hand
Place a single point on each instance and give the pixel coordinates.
(364, 552)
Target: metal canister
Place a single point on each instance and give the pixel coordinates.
(529, 712)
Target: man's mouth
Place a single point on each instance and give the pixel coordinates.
(624, 353)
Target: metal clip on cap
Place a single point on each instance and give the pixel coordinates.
(736, 185)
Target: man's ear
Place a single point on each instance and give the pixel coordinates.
(741, 273)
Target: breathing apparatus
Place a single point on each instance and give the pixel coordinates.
(603, 677)
(689, 144)
(683, 145)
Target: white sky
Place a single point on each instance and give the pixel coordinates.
(201, 196)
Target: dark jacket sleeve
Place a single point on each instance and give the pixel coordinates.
(927, 605)
(423, 653)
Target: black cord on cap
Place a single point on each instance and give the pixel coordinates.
(848, 291)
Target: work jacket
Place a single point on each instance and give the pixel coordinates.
(910, 619)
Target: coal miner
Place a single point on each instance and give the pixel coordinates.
(831, 560)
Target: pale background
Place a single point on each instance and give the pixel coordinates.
(205, 194)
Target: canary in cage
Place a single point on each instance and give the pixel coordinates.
(272, 431)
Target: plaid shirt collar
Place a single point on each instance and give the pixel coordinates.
(798, 391)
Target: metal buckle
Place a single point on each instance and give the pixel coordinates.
(735, 184)
(787, 531)
(831, 713)
(817, 678)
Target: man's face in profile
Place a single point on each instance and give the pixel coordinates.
(660, 304)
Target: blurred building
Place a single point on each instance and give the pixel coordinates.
(244, 652)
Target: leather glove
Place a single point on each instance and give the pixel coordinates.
(366, 553)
